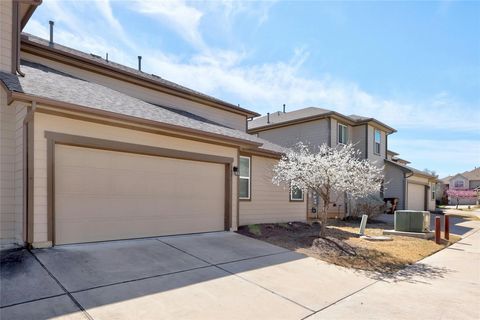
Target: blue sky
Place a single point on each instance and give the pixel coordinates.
(414, 65)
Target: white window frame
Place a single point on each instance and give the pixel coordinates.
(246, 178)
(375, 143)
(461, 181)
(291, 195)
(340, 126)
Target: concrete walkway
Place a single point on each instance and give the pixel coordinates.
(445, 285)
(228, 276)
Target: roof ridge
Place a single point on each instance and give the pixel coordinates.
(132, 71)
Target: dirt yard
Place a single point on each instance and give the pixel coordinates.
(343, 246)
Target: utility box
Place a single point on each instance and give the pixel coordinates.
(412, 221)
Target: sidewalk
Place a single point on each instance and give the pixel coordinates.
(445, 285)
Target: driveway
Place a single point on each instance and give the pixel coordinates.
(228, 276)
(207, 276)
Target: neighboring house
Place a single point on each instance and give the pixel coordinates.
(316, 126)
(414, 189)
(468, 180)
(92, 150)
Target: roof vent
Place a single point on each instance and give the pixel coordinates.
(95, 56)
(106, 57)
(139, 63)
(51, 32)
(284, 108)
(268, 117)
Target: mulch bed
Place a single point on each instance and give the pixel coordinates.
(342, 245)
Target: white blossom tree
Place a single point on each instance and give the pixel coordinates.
(328, 171)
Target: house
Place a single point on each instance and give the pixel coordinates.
(317, 126)
(414, 189)
(92, 150)
(468, 180)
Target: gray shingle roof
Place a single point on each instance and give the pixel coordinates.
(29, 38)
(306, 113)
(48, 83)
(280, 117)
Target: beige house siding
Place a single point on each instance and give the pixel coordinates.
(224, 117)
(312, 133)
(45, 122)
(7, 171)
(269, 203)
(20, 114)
(6, 35)
(11, 172)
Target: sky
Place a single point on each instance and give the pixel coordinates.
(414, 65)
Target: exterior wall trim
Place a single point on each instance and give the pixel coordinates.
(54, 138)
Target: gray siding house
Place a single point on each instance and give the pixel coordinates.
(317, 126)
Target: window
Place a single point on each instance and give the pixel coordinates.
(296, 194)
(458, 184)
(342, 134)
(244, 187)
(434, 190)
(378, 139)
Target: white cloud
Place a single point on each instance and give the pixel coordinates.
(227, 74)
(175, 14)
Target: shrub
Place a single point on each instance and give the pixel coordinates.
(371, 205)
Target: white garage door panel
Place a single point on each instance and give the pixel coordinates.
(105, 195)
(416, 197)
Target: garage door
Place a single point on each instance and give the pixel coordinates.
(106, 195)
(416, 197)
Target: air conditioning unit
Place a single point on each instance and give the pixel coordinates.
(412, 221)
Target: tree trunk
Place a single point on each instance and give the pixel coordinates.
(457, 203)
(324, 219)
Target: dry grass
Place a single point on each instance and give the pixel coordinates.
(342, 245)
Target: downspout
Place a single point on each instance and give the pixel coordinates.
(366, 141)
(16, 39)
(28, 173)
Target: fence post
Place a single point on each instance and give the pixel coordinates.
(437, 230)
(447, 226)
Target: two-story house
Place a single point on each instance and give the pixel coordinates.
(92, 150)
(468, 180)
(316, 126)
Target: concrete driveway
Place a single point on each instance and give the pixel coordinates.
(228, 276)
(207, 276)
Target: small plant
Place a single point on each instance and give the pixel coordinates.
(255, 229)
(371, 205)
